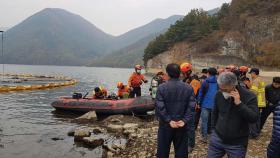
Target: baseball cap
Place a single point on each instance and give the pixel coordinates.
(255, 70)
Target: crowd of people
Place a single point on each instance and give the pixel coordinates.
(232, 104)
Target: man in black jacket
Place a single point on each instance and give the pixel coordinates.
(174, 103)
(235, 107)
(204, 74)
(272, 96)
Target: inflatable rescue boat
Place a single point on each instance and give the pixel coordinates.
(139, 105)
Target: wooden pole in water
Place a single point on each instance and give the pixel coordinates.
(2, 46)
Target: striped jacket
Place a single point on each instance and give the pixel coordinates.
(273, 149)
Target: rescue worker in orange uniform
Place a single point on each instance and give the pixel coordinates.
(123, 90)
(196, 84)
(193, 80)
(186, 69)
(135, 81)
(100, 93)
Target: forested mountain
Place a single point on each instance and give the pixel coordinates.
(246, 31)
(54, 36)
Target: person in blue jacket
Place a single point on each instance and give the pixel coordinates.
(273, 149)
(206, 96)
(175, 102)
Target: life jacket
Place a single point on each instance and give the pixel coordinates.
(136, 80)
(195, 85)
(258, 87)
(102, 95)
(124, 90)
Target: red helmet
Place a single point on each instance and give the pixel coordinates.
(138, 67)
(243, 69)
(185, 67)
(160, 73)
(119, 85)
(231, 68)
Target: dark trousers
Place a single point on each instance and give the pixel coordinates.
(191, 131)
(168, 135)
(254, 128)
(273, 149)
(136, 91)
(217, 149)
(265, 113)
(197, 117)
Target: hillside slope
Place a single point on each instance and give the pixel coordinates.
(135, 42)
(247, 33)
(153, 27)
(126, 57)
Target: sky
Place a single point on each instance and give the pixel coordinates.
(112, 16)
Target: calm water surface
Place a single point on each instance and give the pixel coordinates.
(28, 122)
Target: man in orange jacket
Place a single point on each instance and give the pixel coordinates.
(186, 69)
(123, 90)
(135, 81)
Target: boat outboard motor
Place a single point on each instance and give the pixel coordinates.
(77, 96)
(84, 97)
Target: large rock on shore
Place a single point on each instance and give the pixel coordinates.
(115, 128)
(86, 118)
(81, 133)
(121, 119)
(93, 141)
(116, 146)
(126, 128)
(130, 126)
(130, 129)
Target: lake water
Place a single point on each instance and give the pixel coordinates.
(28, 122)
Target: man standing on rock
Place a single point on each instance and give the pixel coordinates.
(174, 103)
(234, 108)
(135, 81)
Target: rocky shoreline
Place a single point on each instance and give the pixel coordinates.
(133, 137)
